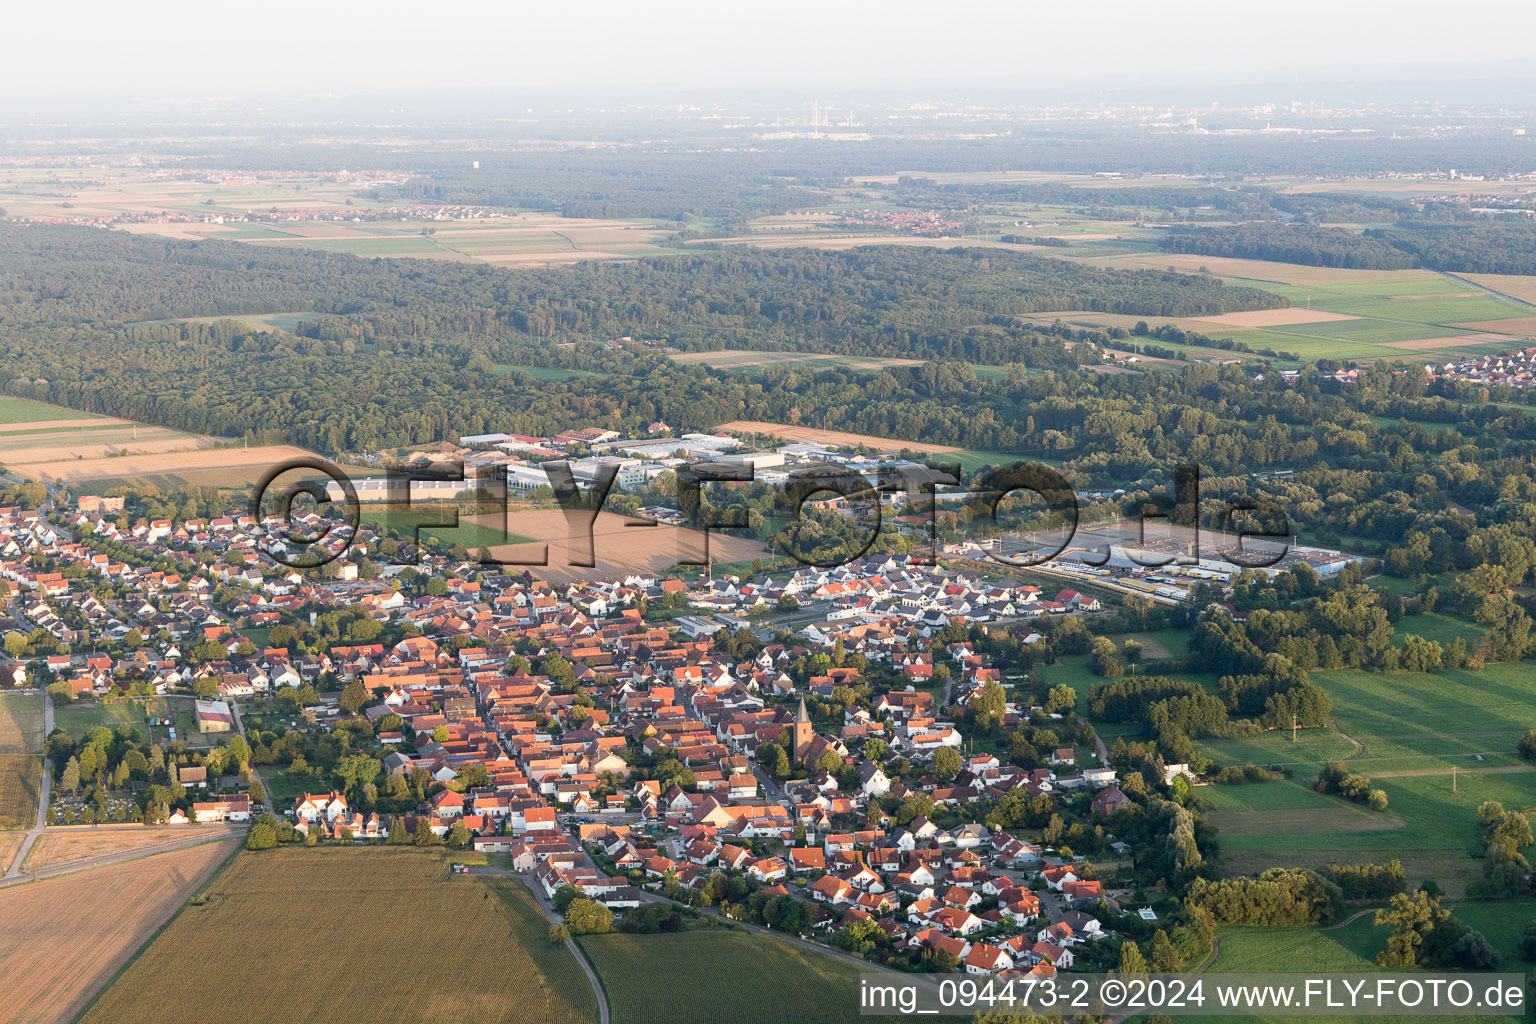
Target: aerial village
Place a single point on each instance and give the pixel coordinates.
(856, 754)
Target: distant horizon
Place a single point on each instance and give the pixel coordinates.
(176, 50)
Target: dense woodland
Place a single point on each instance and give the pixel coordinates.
(1433, 477)
(1460, 244)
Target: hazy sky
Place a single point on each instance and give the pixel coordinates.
(351, 46)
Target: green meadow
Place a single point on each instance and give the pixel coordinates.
(1438, 745)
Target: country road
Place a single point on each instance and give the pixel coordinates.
(555, 918)
(42, 800)
(103, 860)
(650, 897)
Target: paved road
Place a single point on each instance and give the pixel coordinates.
(554, 918)
(42, 799)
(1512, 300)
(234, 707)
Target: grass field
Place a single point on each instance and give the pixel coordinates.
(751, 976)
(1406, 731)
(21, 723)
(1350, 946)
(25, 410)
(21, 782)
(544, 372)
(470, 533)
(63, 938)
(80, 717)
(364, 935)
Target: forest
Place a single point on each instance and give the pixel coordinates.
(408, 352)
(1460, 244)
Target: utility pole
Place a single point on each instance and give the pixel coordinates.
(1453, 778)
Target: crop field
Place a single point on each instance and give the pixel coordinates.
(218, 467)
(10, 842)
(21, 723)
(61, 939)
(782, 983)
(353, 921)
(1338, 314)
(329, 212)
(63, 845)
(1517, 286)
(21, 782)
(1262, 271)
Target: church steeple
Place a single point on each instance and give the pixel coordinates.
(804, 733)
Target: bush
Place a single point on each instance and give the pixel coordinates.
(588, 917)
(1526, 748)
(262, 837)
(1528, 943)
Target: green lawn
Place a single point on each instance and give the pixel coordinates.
(79, 718)
(750, 977)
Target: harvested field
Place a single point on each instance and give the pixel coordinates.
(21, 723)
(10, 842)
(1522, 287)
(832, 437)
(21, 781)
(618, 549)
(1515, 325)
(63, 845)
(237, 465)
(351, 920)
(27, 450)
(63, 938)
(1274, 317)
(1422, 344)
(1257, 270)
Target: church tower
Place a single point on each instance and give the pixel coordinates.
(804, 733)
